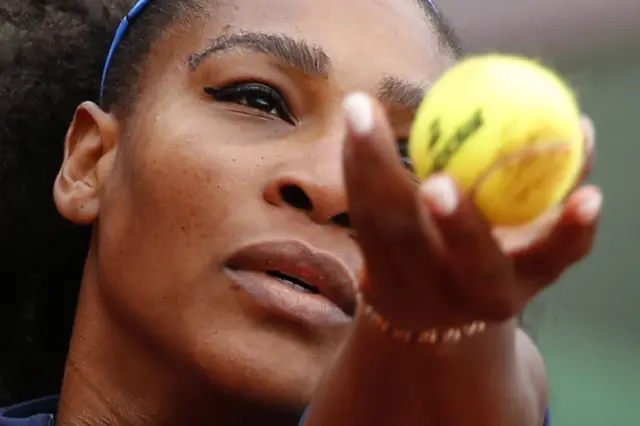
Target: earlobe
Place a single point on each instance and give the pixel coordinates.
(89, 150)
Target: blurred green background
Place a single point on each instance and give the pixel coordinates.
(588, 326)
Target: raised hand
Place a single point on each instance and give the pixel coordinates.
(432, 260)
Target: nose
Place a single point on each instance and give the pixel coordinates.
(320, 196)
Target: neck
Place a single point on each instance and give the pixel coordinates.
(113, 377)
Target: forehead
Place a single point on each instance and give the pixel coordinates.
(365, 39)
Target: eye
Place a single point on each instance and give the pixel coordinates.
(403, 149)
(257, 96)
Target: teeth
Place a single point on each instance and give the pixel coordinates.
(294, 282)
(294, 285)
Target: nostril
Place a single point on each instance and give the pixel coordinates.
(342, 219)
(296, 197)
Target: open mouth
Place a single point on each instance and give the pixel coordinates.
(280, 265)
(294, 282)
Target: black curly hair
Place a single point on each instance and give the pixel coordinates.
(51, 59)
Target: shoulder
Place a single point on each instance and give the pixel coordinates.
(38, 412)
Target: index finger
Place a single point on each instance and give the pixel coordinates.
(393, 229)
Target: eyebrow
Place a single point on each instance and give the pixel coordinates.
(308, 58)
(396, 90)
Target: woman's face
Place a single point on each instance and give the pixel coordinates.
(226, 182)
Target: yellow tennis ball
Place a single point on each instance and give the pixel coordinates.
(505, 128)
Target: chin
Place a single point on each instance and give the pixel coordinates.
(267, 361)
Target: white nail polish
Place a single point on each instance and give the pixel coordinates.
(442, 192)
(589, 133)
(359, 111)
(589, 207)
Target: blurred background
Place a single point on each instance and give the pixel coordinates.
(588, 326)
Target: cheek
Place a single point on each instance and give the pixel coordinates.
(180, 178)
(173, 209)
(169, 195)
(164, 220)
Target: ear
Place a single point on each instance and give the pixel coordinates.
(89, 151)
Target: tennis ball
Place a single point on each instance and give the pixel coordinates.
(507, 129)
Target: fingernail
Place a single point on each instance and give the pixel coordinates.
(442, 193)
(589, 134)
(359, 112)
(589, 207)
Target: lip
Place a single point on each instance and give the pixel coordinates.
(333, 305)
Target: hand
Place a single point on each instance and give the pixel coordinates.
(432, 260)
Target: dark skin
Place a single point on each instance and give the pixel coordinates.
(496, 378)
(187, 180)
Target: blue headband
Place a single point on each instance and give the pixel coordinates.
(126, 23)
(120, 32)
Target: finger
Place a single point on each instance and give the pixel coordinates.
(569, 241)
(516, 240)
(589, 134)
(390, 226)
(483, 272)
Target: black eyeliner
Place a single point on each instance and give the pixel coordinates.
(239, 88)
(212, 91)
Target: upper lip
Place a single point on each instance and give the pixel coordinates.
(299, 260)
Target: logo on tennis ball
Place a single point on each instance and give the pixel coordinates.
(453, 145)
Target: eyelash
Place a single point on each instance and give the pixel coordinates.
(256, 96)
(272, 102)
(403, 149)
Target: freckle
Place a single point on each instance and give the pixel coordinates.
(233, 160)
(183, 227)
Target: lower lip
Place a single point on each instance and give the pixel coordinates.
(312, 309)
